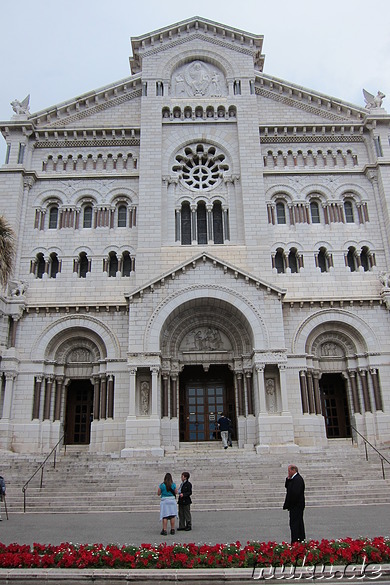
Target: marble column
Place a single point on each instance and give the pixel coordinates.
(261, 389)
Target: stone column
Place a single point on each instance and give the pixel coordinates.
(283, 387)
(209, 220)
(103, 397)
(240, 395)
(155, 393)
(261, 389)
(37, 397)
(249, 392)
(377, 390)
(58, 398)
(310, 391)
(317, 397)
(303, 385)
(47, 399)
(132, 391)
(164, 385)
(194, 230)
(174, 413)
(110, 396)
(13, 328)
(96, 398)
(366, 393)
(355, 393)
(8, 394)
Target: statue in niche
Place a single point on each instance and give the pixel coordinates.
(21, 108)
(207, 339)
(271, 396)
(330, 349)
(145, 397)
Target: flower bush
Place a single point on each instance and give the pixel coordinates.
(197, 556)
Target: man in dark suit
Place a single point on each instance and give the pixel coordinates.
(295, 503)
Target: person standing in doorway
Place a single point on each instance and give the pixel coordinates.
(295, 503)
(223, 425)
(184, 502)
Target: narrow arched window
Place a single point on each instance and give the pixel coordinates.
(217, 223)
(351, 259)
(185, 223)
(348, 210)
(53, 218)
(54, 265)
(322, 260)
(87, 216)
(364, 259)
(122, 216)
(83, 265)
(315, 212)
(279, 261)
(112, 264)
(40, 265)
(293, 260)
(280, 212)
(201, 222)
(126, 264)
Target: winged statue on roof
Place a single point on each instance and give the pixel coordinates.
(373, 101)
(21, 108)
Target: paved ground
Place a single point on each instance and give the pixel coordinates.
(208, 527)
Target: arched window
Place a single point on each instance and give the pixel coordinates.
(53, 217)
(122, 216)
(217, 223)
(293, 260)
(87, 216)
(280, 212)
(348, 210)
(126, 264)
(185, 223)
(54, 265)
(351, 259)
(84, 265)
(279, 261)
(40, 265)
(315, 212)
(365, 258)
(201, 221)
(112, 264)
(323, 260)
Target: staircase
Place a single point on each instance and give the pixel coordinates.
(222, 479)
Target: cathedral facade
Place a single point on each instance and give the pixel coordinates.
(198, 238)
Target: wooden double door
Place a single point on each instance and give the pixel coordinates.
(203, 397)
(79, 412)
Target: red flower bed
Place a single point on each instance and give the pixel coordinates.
(188, 556)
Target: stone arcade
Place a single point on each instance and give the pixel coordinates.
(199, 237)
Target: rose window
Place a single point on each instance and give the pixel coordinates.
(200, 168)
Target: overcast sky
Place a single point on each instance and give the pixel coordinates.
(55, 51)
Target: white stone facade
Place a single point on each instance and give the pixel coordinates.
(198, 237)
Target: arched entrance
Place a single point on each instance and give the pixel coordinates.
(79, 412)
(204, 395)
(335, 406)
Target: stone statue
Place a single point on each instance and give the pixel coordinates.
(384, 278)
(21, 108)
(373, 102)
(271, 398)
(19, 288)
(145, 397)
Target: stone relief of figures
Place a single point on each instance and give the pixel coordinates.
(373, 102)
(198, 79)
(145, 388)
(80, 355)
(271, 394)
(331, 349)
(18, 289)
(21, 108)
(207, 339)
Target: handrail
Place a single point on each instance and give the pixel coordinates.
(41, 468)
(367, 442)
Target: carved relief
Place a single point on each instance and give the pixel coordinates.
(198, 79)
(80, 354)
(205, 339)
(271, 395)
(145, 389)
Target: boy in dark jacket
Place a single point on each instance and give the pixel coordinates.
(184, 502)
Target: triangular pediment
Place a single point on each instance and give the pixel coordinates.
(200, 28)
(220, 265)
